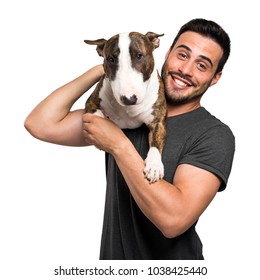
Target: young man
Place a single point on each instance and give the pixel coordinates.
(143, 220)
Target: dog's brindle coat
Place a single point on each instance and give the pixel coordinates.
(131, 91)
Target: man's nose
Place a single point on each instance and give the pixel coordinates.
(186, 68)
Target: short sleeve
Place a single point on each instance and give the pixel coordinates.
(213, 151)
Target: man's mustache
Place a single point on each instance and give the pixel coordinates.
(184, 77)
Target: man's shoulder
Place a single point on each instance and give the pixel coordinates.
(216, 126)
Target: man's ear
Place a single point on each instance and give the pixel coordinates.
(216, 78)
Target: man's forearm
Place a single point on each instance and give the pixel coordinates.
(155, 200)
(57, 105)
(52, 121)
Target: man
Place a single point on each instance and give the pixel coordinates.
(143, 220)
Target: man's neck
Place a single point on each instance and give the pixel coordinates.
(174, 110)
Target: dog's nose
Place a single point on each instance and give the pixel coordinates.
(128, 101)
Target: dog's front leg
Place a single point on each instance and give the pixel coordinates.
(93, 103)
(154, 169)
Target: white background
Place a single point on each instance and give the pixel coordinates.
(52, 197)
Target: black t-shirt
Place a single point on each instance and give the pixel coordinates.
(195, 138)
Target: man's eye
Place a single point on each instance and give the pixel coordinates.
(202, 66)
(182, 55)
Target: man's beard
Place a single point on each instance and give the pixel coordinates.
(180, 100)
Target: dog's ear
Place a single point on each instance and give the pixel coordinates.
(100, 43)
(153, 37)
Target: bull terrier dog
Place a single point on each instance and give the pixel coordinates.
(131, 91)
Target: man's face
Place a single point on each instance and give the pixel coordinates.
(190, 68)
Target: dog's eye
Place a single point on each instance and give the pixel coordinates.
(139, 56)
(111, 59)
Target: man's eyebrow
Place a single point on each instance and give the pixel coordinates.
(202, 56)
(208, 59)
(185, 47)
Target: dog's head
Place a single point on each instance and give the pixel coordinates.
(128, 63)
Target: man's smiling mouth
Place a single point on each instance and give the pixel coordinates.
(181, 80)
(180, 83)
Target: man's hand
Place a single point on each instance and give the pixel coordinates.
(102, 133)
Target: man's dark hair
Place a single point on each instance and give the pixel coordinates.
(211, 30)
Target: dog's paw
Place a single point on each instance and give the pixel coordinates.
(154, 169)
